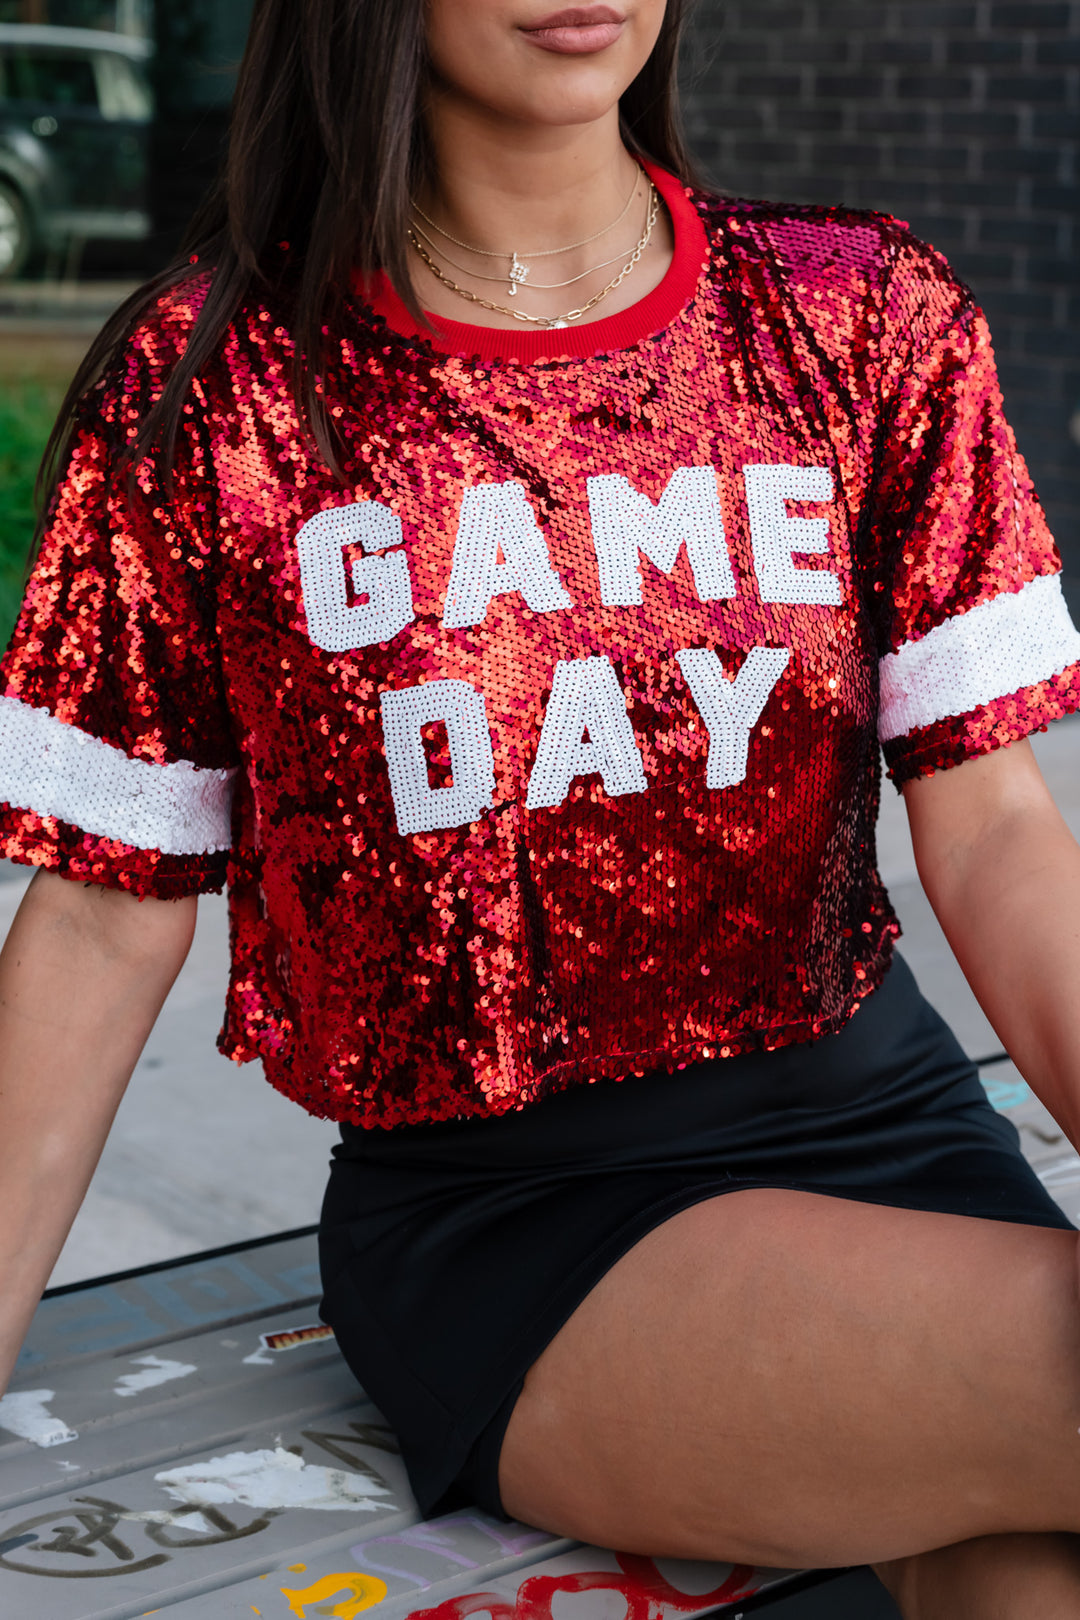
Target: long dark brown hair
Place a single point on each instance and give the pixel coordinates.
(326, 145)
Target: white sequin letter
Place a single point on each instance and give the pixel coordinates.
(335, 624)
(585, 693)
(731, 709)
(775, 535)
(494, 515)
(419, 806)
(625, 522)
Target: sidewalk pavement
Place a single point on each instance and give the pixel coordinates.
(204, 1152)
(47, 326)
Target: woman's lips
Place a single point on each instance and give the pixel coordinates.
(577, 31)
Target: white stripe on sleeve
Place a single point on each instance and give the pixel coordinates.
(55, 769)
(1011, 641)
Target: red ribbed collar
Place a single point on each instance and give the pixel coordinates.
(651, 314)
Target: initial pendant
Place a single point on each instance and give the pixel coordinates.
(518, 273)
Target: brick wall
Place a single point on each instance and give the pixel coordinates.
(962, 118)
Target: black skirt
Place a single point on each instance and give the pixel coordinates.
(452, 1254)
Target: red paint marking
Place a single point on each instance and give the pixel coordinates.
(738, 1584)
(646, 1591)
(472, 1603)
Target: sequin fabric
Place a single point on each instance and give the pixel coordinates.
(551, 732)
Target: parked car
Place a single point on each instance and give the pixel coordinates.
(75, 111)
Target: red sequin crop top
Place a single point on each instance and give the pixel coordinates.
(545, 746)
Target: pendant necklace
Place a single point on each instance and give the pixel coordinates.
(547, 321)
(518, 272)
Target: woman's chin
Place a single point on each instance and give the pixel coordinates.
(559, 98)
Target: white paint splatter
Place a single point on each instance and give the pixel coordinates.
(271, 1479)
(195, 1522)
(72, 1468)
(157, 1371)
(26, 1413)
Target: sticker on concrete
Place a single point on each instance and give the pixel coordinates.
(287, 1339)
(26, 1413)
(156, 1370)
(293, 1338)
(271, 1479)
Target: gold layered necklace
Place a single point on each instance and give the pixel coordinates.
(518, 272)
(534, 286)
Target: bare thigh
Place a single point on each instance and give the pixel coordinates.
(782, 1378)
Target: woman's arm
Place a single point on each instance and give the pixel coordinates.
(1002, 872)
(82, 977)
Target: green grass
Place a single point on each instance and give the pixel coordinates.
(28, 407)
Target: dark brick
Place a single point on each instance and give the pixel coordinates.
(719, 116)
(850, 86)
(934, 86)
(1061, 455)
(1052, 490)
(816, 48)
(765, 18)
(1034, 233)
(892, 196)
(1057, 123)
(1061, 343)
(971, 52)
(945, 232)
(933, 157)
(834, 16)
(934, 15)
(1057, 52)
(765, 151)
(908, 50)
(824, 189)
(891, 120)
(990, 121)
(1054, 199)
(737, 51)
(1053, 269)
(1048, 417)
(1012, 304)
(837, 155)
(810, 120)
(767, 84)
(1030, 14)
(1021, 376)
(978, 193)
(976, 267)
(1039, 161)
(1028, 87)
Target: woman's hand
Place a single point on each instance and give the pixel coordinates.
(1002, 872)
(83, 975)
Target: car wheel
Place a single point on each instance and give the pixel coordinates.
(16, 238)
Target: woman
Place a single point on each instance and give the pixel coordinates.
(533, 547)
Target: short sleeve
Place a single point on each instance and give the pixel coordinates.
(116, 752)
(976, 645)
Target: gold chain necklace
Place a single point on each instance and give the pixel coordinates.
(519, 272)
(534, 286)
(547, 321)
